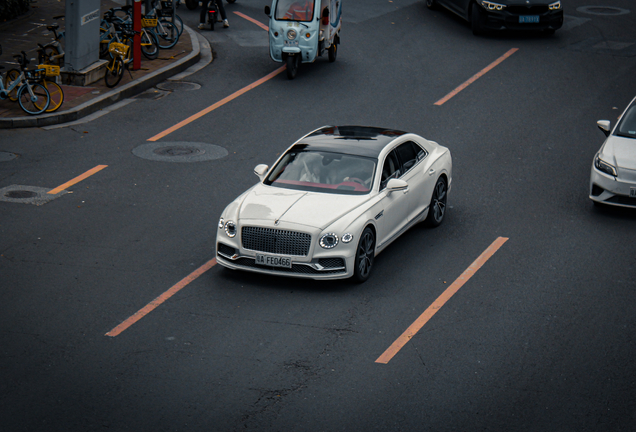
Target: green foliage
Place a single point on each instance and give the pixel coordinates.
(10, 9)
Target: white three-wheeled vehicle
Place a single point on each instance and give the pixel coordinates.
(302, 30)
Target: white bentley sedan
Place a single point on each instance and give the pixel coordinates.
(613, 177)
(333, 201)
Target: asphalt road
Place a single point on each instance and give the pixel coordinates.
(540, 338)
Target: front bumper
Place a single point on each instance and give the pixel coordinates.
(509, 18)
(326, 267)
(606, 189)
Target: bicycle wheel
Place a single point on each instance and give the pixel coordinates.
(12, 75)
(37, 106)
(114, 72)
(167, 33)
(51, 56)
(57, 95)
(149, 47)
(178, 22)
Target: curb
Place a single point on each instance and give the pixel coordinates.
(128, 90)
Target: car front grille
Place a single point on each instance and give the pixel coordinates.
(623, 200)
(524, 10)
(275, 241)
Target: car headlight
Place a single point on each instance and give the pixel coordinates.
(492, 6)
(291, 34)
(230, 229)
(346, 238)
(555, 6)
(328, 241)
(221, 223)
(603, 166)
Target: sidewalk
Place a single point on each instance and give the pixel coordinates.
(23, 34)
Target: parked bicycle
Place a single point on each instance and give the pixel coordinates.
(53, 52)
(121, 56)
(32, 96)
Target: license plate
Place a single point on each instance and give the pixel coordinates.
(289, 43)
(529, 19)
(632, 192)
(273, 261)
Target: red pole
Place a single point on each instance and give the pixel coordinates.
(137, 37)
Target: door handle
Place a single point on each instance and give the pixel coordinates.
(431, 172)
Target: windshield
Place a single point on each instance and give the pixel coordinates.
(627, 126)
(319, 171)
(294, 10)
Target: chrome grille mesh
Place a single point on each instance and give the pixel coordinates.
(275, 241)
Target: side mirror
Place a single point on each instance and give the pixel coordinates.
(395, 185)
(604, 126)
(261, 170)
(268, 11)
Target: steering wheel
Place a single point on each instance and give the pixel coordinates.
(355, 180)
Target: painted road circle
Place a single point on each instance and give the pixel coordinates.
(602, 10)
(178, 85)
(179, 151)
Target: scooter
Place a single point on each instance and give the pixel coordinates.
(300, 31)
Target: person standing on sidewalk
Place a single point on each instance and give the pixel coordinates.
(204, 12)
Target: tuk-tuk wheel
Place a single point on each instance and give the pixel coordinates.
(293, 61)
(333, 51)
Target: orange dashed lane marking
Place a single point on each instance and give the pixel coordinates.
(76, 180)
(217, 105)
(476, 76)
(260, 24)
(162, 298)
(441, 300)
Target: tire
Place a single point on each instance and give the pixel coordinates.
(50, 56)
(12, 75)
(149, 46)
(178, 23)
(191, 4)
(431, 4)
(437, 207)
(56, 94)
(29, 106)
(365, 255)
(114, 72)
(333, 51)
(169, 36)
(477, 20)
(292, 66)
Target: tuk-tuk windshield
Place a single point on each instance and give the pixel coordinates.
(294, 10)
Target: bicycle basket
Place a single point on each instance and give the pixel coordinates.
(34, 74)
(149, 22)
(119, 48)
(50, 70)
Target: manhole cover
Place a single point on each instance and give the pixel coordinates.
(19, 194)
(602, 10)
(152, 94)
(28, 194)
(178, 85)
(179, 152)
(6, 156)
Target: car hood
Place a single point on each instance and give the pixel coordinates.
(318, 210)
(622, 151)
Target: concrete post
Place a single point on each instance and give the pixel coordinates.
(82, 34)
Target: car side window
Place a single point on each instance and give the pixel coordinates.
(390, 169)
(410, 153)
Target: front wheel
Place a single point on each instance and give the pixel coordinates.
(12, 75)
(365, 255)
(437, 208)
(477, 19)
(36, 105)
(168, 34)
(114, 72)
(57, 95)
(292, 66)
(149, 45)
